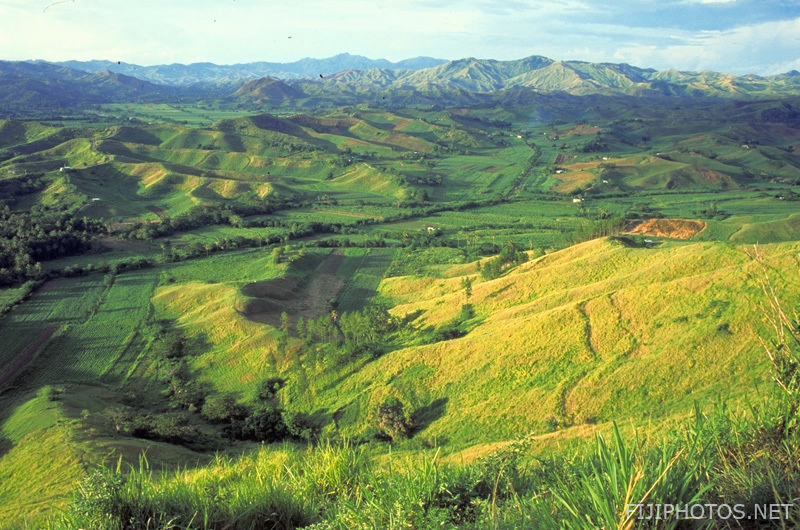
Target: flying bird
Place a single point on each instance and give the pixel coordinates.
(54, 3)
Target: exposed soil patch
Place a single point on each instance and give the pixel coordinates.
(330, 264)
(265, 301)
(561, 158)
(158, 211)
(47, 286)
(715, 177)
(672, 228)
(580, 130)
(115, 243)
(279, 288)
(27, 355)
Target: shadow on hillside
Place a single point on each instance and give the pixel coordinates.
(73, 373)
(424, 416)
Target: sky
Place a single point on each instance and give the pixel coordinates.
(733, 36)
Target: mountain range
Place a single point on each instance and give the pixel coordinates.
(209, 73)
(348, 79)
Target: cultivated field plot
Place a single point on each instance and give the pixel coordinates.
(92, 332)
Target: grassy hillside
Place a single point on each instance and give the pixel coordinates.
(624, 348)
(555, 349)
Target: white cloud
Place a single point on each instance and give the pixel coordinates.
(151, 32)
(753, 49)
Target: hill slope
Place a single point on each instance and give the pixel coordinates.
(598, 332)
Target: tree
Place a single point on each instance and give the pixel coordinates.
(466, 284)
(392, 420)
(167, 252)
(300, 426)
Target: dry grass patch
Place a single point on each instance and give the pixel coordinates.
(671, 228)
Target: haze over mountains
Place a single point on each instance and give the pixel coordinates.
(345, 79)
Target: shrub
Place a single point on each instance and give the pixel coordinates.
(299, 425)
(265, 424)
(222, 408)
(268, 389)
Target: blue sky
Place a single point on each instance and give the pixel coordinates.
(735, 36)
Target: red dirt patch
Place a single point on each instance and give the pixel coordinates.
(672, 228)
(27, 355)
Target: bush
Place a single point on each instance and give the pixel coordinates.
(265, 424)
(171, 428)
(299, 425)
(268, 389)
(222, 408)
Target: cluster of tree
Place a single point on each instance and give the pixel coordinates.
(344, 160)
(599, 228)
(192, 402)
(596, 145)
(198, 217)
(72, 271)
(338, 338)
(712, 211)
(450, 149)
(26, 238)
(18, 185)
(291, 147)
(510, 256)
(430, 179)
(172, 427)
(412, 197)
(265, 421)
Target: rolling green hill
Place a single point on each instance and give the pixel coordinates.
(451, 301)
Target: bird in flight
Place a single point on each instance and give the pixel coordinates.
(54, 3)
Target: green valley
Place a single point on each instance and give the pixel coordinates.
(526, 311)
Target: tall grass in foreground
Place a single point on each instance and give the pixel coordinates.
(723, 458)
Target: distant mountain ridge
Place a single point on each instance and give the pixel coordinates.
(574, 77)
(350, 79)
(47, 85)
(209, 73)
